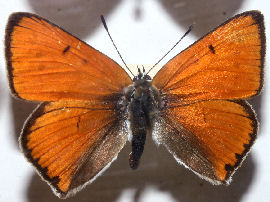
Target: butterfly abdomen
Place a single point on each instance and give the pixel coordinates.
(138, 125)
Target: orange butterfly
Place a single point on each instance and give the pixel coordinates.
(195, 105)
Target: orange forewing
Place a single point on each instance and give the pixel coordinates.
(61, 138)
(46, 63)
(225, 64)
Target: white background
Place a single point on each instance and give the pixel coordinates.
(143, 30)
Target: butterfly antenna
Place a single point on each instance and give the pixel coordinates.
(189, 29)
(106, 28)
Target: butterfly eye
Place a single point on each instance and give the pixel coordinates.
(135, 78)
(147, 77)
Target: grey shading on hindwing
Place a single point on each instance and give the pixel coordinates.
(184, 147)
(101, 157)
(92, 164)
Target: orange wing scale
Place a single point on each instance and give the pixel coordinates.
(46, 63)
(224, 131)
(77, 132)
(201, 88)
(59, 136)
(225, 64)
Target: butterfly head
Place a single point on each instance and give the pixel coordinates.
(142, 75)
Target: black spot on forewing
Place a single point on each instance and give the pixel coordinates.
(66, 49)
(212, 49)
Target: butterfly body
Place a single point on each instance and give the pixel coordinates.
(143, 103)
(195, 106)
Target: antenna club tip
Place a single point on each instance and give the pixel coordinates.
(192, 25)
(103, 22)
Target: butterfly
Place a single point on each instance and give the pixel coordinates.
(195, 105)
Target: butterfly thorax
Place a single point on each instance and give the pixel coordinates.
(142, 105)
